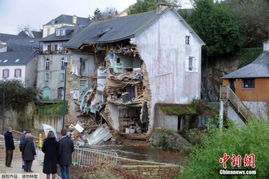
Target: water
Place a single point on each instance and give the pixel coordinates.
(145, 153)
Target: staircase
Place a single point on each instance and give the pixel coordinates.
(226, 93)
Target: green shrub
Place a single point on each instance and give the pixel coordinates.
(252, 138)
(52, 109)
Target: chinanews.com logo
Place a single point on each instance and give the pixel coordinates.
(236, 162)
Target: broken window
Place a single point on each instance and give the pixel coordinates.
(82, 66)
(249, 83)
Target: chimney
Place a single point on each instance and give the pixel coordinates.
(161, 7)
(266, 46)
(74, 19)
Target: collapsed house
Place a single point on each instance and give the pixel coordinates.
(139, 60)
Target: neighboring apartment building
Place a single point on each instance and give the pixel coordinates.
(18, 59)
(62, 21)
(18, 66)
(51, 63)
(142, 60)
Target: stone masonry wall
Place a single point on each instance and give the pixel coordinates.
(152, 171)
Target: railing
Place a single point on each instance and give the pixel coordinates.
(227, 93)
(88, 157)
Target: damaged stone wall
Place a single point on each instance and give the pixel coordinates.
(127, 111)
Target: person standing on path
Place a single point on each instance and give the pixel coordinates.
(28, 152)
(22, 141)
(50, 148)
(9, 146)
(66, 148)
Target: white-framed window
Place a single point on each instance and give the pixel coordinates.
(5, 73)
(62, 63)
(47, 64)
(191, 64)
(17, 73)
(58, 32)
(187, 39)
(62, 32)
(61, 77)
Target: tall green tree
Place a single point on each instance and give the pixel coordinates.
(108, 13)
(15, 95)
(254, 16)
(217, 26)
(97, 15)
(147, 5)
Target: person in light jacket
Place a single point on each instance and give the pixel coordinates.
(9, 146)
(28, 152)
(66, 148)
(50, 148)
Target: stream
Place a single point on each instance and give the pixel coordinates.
(145, 153)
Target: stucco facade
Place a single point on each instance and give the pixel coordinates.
(162, 47)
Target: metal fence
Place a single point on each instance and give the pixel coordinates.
(84, 157)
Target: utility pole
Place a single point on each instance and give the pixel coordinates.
(64, 100)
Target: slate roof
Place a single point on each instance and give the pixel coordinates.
(34, 34)
(10, 58)
(257, 69)
(69, 20)
(117, 29)
(6, 37)
(20, 45)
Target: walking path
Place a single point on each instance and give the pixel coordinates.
(16, 169)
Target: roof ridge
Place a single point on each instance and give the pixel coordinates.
(122, 17)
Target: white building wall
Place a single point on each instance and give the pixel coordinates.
(12, 73)
(50, 29)
(162, 47)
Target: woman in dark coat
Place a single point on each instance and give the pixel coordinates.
(50, 148)
(28, 152)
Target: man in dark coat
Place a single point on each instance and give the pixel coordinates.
(66, 148)
(28, 152)
(9, 146)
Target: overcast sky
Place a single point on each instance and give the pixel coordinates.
(35, 13)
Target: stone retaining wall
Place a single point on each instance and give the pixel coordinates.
(153, 171)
